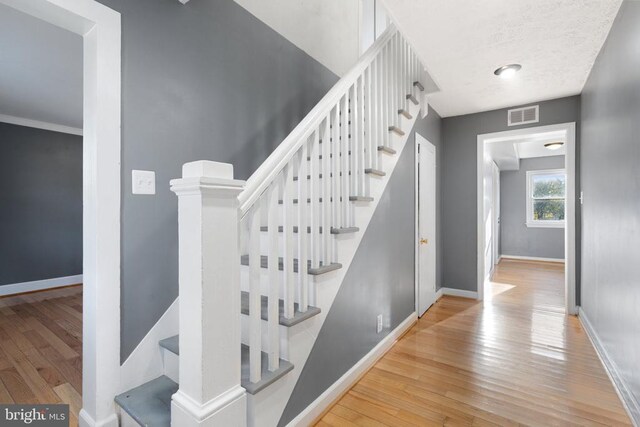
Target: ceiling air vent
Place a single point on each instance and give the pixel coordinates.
(523, 116)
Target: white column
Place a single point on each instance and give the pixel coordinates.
(209, 259)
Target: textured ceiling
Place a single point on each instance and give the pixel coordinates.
(463, 41)
(40, 70)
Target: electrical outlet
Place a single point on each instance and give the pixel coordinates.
(379, 323)
(143, 182)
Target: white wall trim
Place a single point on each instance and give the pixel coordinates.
(39, 285)
(19, 121)
(100, 28)
(624, 392)
(532, 258)
(346, 381)
(570, 211)
(456, 293)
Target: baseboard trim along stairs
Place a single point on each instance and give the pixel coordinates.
(319, 406)
(282, 279)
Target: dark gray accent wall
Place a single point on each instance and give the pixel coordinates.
(380, 280)
(459, 182)
(205, 80)
(515, 237)
(40, 204)
(610, 156)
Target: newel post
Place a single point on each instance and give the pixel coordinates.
(210, 393)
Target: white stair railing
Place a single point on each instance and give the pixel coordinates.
(282, 226)
(318, 171)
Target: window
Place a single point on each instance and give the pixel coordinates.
(546, 197)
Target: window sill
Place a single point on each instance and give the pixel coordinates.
(545, 224)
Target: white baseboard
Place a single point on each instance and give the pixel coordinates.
(628, 400)
(313, 411)
(532, 258)
(39, 285)
(456, 293)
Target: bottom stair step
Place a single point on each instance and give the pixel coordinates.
(141, 400)
(268, 377)
(150, 403)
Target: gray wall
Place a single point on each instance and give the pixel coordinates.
(379, 281)
(205, 80)
(515, 237)
(40, 204)
(459, 183)
(611, 185)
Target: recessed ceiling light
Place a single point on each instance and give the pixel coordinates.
(556, 145)
(507, 71)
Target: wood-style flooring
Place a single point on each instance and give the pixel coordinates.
(41, 348)
(514, 359)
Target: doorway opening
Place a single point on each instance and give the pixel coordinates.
(426, 243)
(526, 202)
(100, 30)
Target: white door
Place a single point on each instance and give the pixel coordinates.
(426, 265)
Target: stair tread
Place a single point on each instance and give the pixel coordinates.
(344, 230)
(148, 399)
(150, 403)
(405, 113)
(361, 199)
(396, 130)
(298, 316)
(413, 99)
(268, 377)
(264, 262)
(377, 172)
(351, 198)
(264, 228)
(171, 344)
(387, 150)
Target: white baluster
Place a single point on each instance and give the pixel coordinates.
(343, 158)
(314, 186)
(287, 258)
(273, 310)
(255, 322)
(362, 122)
(303, 212)
(335, 160)
(327, 142)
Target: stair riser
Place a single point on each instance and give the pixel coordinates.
(283, 331)
(264, 281)
(126, 420)
(171, 362)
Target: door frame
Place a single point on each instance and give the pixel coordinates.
(100, 29)
(495, 173)
(417, 222)
(570, 224)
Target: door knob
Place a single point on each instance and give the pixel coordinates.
(424, 241)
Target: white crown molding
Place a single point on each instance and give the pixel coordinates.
(4, 118)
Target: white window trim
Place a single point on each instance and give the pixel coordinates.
(530, 222)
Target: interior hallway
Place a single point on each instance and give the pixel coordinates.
(514, 359)
(41, 348)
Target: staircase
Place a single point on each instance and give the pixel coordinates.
(262, 261)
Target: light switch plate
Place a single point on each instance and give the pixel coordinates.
(143, 182)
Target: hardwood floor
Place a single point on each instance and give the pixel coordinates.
(41, 348)
(515, 359)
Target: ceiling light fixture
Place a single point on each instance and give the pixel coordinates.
(507, 71)
(556, 145)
